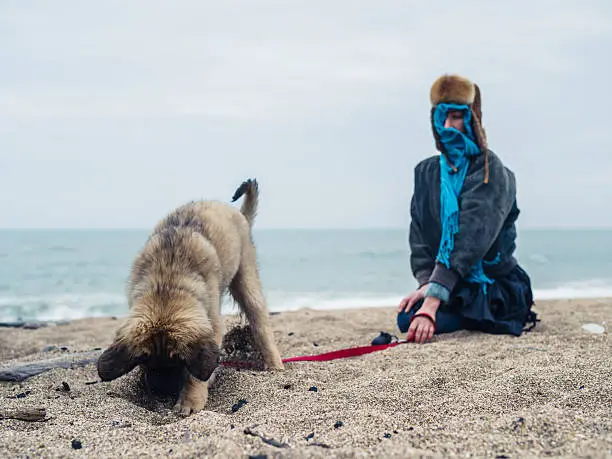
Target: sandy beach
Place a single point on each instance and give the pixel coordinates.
(547, 393)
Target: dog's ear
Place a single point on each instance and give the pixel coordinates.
(203, 359)
(116, 361)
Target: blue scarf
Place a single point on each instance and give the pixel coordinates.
(459, 148)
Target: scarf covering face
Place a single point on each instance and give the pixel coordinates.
(459, 147)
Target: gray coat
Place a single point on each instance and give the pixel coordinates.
(487, 216)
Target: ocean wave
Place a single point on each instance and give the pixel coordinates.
(78, 306)
(65, 306)
(593, 288)
(293, 302)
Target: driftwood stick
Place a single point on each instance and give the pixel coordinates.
(24, 414)
(269, 441)
(27, 370)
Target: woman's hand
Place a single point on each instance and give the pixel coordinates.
(411, 299)
(422, 328)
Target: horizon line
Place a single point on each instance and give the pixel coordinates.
(302, 228)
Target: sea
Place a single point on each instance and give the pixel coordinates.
(61, 275)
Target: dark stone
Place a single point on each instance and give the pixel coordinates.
(314, 389)
(338, 424)
(21, 395)
(76, 444)
(240, 404)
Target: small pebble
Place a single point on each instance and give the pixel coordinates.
(49, 348)
(65, 386)
(290, 334)
(20, 395)
(238, 405)
(314, 389)
(387, 435)
(121, 424)
(76, 444)
(287, 386)
(338, 424)
(309, 436)
(594, 328)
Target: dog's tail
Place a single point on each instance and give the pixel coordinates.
(249, 187)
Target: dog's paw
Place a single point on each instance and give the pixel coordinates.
(188, 406)
(274, 365)
(192, 398)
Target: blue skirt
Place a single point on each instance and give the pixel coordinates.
(504, 309)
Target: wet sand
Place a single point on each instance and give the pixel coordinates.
(546, 393)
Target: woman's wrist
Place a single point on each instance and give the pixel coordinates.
(430, 305)
(438, 291)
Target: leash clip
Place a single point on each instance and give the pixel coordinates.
(384, 338)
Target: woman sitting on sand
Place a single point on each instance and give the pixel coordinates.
(462, 233)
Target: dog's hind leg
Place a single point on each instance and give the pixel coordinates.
(246, 290)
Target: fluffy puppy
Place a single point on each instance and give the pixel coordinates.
(174, 329)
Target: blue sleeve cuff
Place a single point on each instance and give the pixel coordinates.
(438, 291)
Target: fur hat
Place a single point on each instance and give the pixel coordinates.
(459, 90)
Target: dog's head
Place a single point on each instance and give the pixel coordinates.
(164, 341)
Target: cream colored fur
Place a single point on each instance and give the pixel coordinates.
(194, 255)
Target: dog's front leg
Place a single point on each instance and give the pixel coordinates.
(193, 396)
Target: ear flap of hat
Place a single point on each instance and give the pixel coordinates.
(477, 104)
(479, 132)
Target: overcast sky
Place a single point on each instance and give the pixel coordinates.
(113, 112)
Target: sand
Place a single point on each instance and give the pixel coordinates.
(547, 393)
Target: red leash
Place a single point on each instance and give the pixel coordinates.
(343, 353)
(333, 355)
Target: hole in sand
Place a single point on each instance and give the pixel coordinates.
(237, 347)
